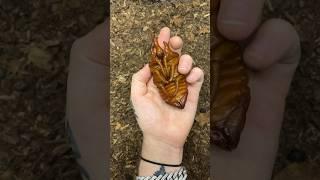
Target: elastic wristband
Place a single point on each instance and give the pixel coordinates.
(161, 164)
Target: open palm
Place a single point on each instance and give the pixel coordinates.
(158, 120)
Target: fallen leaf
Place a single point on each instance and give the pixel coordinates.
(204, 30)
(203, 118)
(118, 126)
(145, 28)
(177, 20)
(190, 36)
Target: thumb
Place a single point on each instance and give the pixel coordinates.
(139, 82)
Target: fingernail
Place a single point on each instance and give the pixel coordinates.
(183, 68)
(232, 17)
(235, 14)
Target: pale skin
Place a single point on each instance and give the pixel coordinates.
(273, 54)
(165, 128)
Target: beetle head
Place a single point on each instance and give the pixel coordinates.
(156, 49)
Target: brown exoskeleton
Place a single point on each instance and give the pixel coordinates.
(164, 67)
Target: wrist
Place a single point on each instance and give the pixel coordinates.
(161, 152)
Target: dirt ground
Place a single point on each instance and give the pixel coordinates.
(133, 23)
(35, 41)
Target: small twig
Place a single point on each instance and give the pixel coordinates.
(290, 18)
(270, 6)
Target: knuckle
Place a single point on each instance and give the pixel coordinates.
(77, 46)
(199, 70)
(285, 27)
(200, 73)
(81, 49)
(255, 61)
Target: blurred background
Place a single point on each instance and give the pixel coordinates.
(299, 151)
(35, 41)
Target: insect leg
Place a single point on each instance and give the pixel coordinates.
(165, 61)
(160, 76)
(163, 69)
(164, 90)
(177, 87)
(172, 70)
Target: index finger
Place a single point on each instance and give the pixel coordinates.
(237, 19)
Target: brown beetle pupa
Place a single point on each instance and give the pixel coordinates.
(172, 85)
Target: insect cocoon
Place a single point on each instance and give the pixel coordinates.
(172, 85)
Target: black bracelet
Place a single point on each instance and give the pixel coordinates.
(161, 164)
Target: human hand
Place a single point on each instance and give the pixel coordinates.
(272, 56)
(87, 101)
(165, 128)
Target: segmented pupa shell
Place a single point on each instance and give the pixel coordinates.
(230, 94)
(172, 85)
